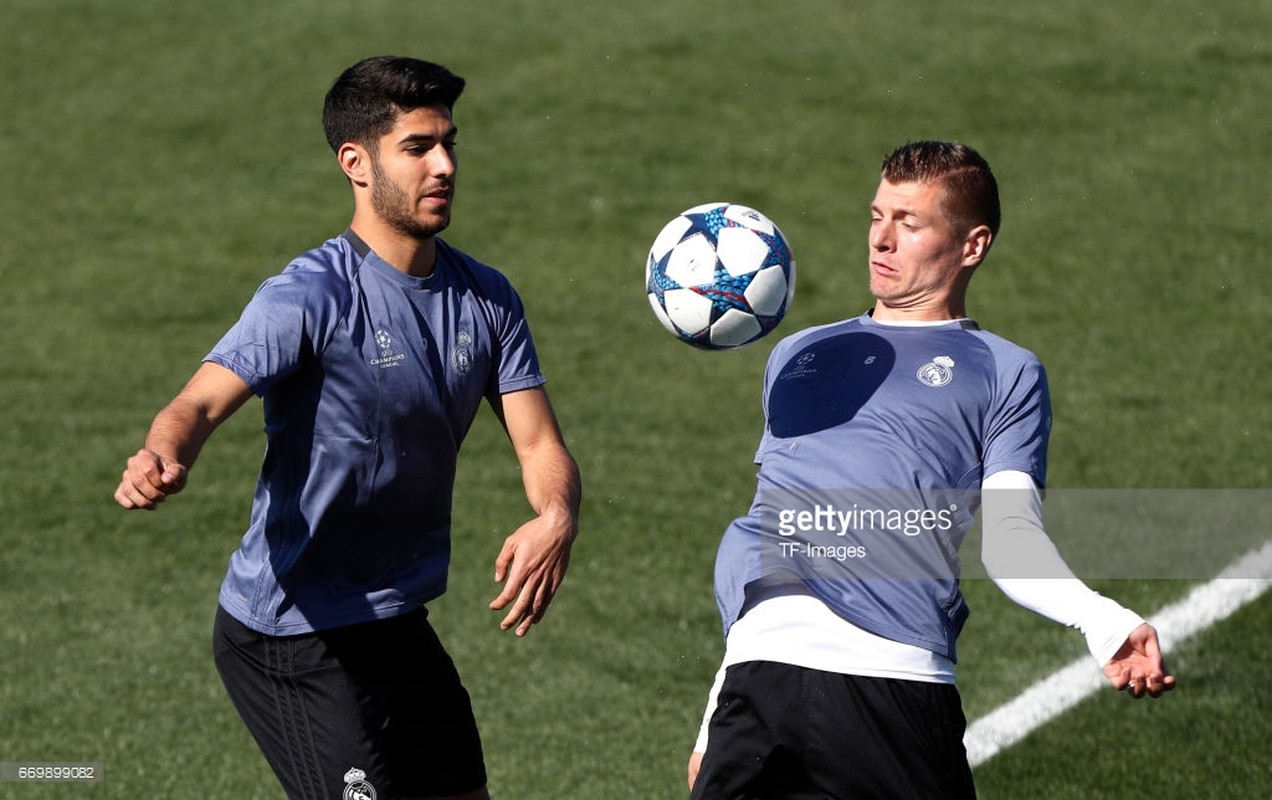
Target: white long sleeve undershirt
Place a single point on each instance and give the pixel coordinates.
(1024, 563)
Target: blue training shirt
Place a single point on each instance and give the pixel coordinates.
(876, 440)
(370, 380)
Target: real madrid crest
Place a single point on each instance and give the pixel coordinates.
(937, 372)
(461, 356)
(357, 787)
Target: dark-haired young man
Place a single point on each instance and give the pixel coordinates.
(372, 354)
(839, 589)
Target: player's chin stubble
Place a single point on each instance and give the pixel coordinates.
(393, 205)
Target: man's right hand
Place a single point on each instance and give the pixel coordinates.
(149, 478)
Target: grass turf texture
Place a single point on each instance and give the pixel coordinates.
(162, 159)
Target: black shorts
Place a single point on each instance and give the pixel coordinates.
(790, 732)
(378, 704)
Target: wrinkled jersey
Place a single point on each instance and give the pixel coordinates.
(370, 379)
(875, 443)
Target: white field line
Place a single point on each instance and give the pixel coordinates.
(1238, 584)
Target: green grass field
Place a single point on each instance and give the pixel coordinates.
(161, 159)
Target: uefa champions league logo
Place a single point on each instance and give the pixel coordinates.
(937, 372)
(385, 342)
(801, 367)
(387, 357)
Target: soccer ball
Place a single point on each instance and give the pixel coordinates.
(720, 276)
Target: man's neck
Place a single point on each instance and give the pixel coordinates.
(407, 254)
(939, 313)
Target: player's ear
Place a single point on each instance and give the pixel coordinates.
(356, 163)
(976, 245)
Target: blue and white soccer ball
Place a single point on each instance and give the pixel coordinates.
(720, 275)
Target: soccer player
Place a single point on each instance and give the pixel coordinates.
(838, 590)
(372, 354)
